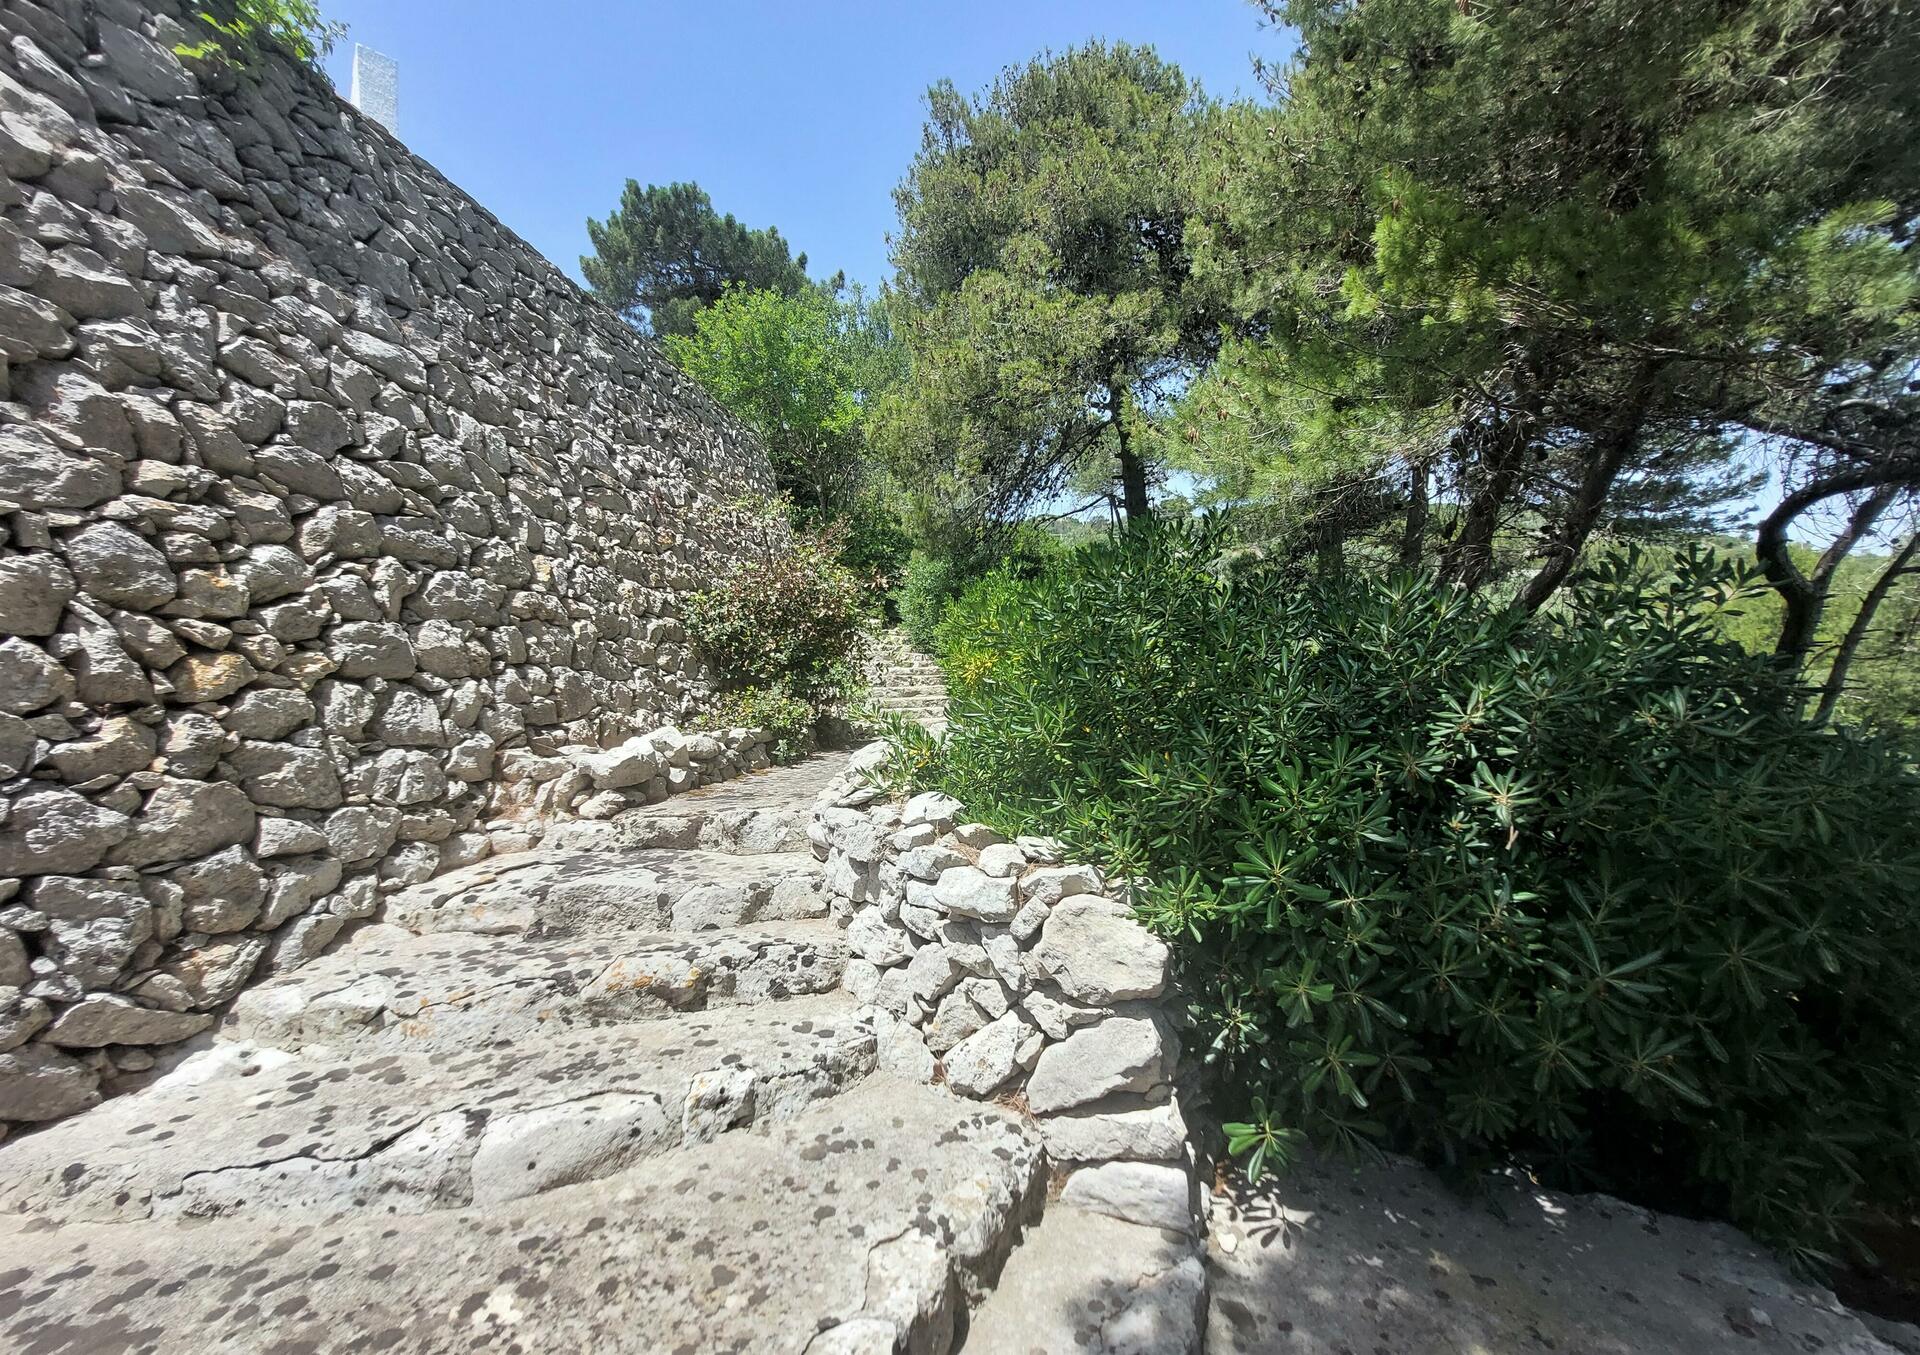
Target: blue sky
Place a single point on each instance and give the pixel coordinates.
(802, 116)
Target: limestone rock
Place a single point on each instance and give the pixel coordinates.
(633, 763)
(119, 566)
(287, 837)
(362, 832)
(1050, 884)
(983, 1062)
(371, 649)
(1002, 859)
(94, 927)
(268, 713)
(36, 474)
(224, 891)
(214, 971)
(1117, 1129)
(101, 1021)
(50, 831)
(30, 678)
(210, 677)
(38, 1082)
(119, 746)
(967, 892)
(19, 748)
(930, 861)
(34, 590)
(930, 807)
(1146, 1193)
(186, 819)
(877, 940)
(1124, 1053)
(1096, 952)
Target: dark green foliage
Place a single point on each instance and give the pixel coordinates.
(933, 581)
(789, 719)
(1561, 261)
(928, 586)
(877, 549)
(788, 616)
(1044, 285)
(1583, 891)
(664, 254)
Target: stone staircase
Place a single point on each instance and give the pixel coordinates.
(607, 1094)
(903, 681)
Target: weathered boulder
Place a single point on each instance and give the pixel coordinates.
(966, 892)
(98, 1021)
(1096, 952)
(51, 831)
(184, 819)
(1126, 1052)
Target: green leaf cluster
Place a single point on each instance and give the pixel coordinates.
(244, 28)
(1554, 256)
(794, 367)
(1583, 892)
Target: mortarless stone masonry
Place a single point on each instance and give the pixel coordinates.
(331, 515)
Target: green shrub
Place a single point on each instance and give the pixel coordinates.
(782, 714)
(1582, 892)
(789, 616)
(932, 583)
(927, 586)
(877, 549)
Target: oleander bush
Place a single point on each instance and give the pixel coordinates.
(1583, 892)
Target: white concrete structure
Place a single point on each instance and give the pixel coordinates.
(376, 87)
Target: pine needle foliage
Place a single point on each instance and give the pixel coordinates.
(1582, 892)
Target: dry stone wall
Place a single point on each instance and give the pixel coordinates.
(1008, 973)
(334, 524)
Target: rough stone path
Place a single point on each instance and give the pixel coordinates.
(606, 1095)
(1332, 1259)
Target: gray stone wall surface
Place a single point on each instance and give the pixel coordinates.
(330, 513)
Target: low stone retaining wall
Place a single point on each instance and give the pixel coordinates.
(1017, 976)
(594, 783)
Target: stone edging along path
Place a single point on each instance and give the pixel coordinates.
(1011, 974)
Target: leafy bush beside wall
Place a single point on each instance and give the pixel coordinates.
(786, 623)
(1583, 891)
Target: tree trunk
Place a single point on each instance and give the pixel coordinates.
(1583, 510)
(1862, 625)
(1133, 470)
(1470, 557)
(1413, 540)
(1805, 595)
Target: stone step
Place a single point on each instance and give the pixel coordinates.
(240, 1129)
(866, 1224)
(391, 989)
(581, 892)
(1083, 1282)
